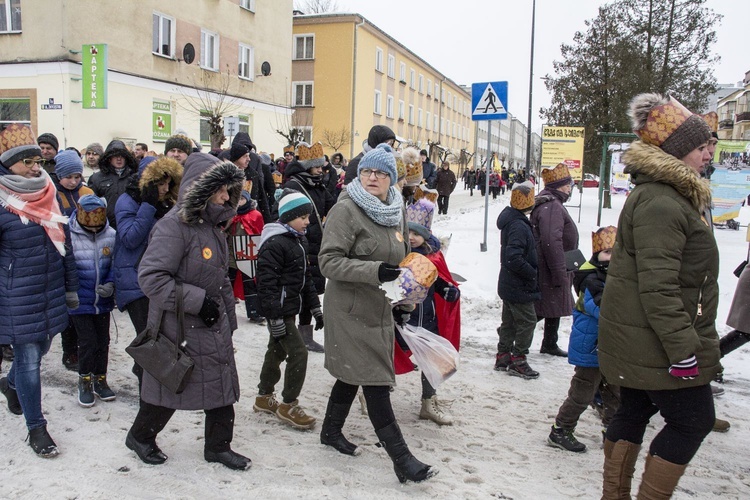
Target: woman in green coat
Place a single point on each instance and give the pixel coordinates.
(657, 337)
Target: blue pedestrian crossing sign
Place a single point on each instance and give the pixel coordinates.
(489, 101)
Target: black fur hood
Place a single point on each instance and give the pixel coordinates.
(204, 175)
(117, 148)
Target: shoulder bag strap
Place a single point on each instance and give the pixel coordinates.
(180, 312)
(320, 221)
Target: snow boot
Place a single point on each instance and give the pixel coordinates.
(431, 410)
(14, 405)
(307, 336)
(101, 388)
(149, 453)
(721, 425)
(333, 423)
(659, 479)
(565, 439)
(406, 467)
(229, 458)
(70, 361)
(502, 361)
(619, 467)
(86, 391)
(520, 368)
(293, 414)
(41, 442)
(549, 343)
(266, 403)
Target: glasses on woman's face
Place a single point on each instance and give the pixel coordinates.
(367, 172)
(29, 162)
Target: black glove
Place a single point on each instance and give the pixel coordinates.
(400, 316)
(209, 312)
(278, 328)
(450, 293)
(318, 315)
(150, 194)
(388, 272)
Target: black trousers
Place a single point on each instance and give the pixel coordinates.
(138, 312)
(152, 419)
(378, 398)
(69, 338)
(688, 414)
(93, 342)
(252, 302)
(442, 203)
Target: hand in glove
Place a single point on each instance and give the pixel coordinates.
(71, 300)
(400, 316)
(450, 293)
(106, 290)
(150, 194)
(209, 312)
(388, 272)
(686, 369)
(318, 315)
(278, 328)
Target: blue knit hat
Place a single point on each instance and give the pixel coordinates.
(293, 204)
(67, 162)
(380, 158)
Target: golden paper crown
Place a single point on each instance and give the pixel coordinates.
(424, 271)
(277, 177)
(16, 135)
(400, 167)
(603, 239)
(521, 201)
(425, 192)
(552, 177)
(94, 218)
(289, 149)
(310, 156)
(662, 121)
(712, 119)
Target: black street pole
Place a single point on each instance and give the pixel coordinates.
(531, 89)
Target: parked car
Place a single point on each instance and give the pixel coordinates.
(589, 181)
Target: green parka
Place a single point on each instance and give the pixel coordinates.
(659, 305)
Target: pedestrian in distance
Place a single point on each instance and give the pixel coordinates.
(445, 183)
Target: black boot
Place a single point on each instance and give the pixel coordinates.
(148, 452)
(549, 343)
(229, 458)
(331, 435)
(41, 442)
(407, 467)
(14, 405)
(307, 336)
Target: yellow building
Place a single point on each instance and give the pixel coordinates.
(734, 113)
(152, 85)
(348, 75)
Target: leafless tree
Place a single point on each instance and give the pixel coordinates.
(336, 139)
(316, 6)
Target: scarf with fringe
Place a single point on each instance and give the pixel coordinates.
(388, 214)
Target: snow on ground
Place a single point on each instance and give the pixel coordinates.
(495, 449)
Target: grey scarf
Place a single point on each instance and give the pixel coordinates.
(388, 214)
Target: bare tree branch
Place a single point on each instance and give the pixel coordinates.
(336, 139)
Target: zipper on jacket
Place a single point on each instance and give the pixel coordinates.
(96, 283)
(699, 307)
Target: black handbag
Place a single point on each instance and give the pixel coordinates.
(160, 357)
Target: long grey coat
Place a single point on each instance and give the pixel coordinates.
(359, 329)
(739, 313)
(187, 246)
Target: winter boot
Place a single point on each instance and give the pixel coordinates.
(716, 391)
(619, 467)
(502, 360)
(407, 467)
(266, 403)
(431, 410)
(333, 423)
(149, 453)
(549, 342)
(564, 439)
(307, 336)
(719, 425)
(229, 458)
(293, 414)
(86, 391)
(101, 388)
(659, 478)
(70, 361)
(14, 405)
(520, 368)
(41, 442)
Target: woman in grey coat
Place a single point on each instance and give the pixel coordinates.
(364, 240)
(188, 246)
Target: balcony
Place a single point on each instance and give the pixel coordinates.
(724, 124)
(743, 117)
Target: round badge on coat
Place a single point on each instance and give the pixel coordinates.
(106, 251)
(207, 253)
(399, 237)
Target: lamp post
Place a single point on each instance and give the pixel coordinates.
(531, 88)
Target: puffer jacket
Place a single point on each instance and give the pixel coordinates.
(188, 246)
(106, 183)
(93, 253)
(284, 278)
(517, 282)
(659, 305)
(588, 282)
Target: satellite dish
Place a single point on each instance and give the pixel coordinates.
(265, 68)
(188, 53)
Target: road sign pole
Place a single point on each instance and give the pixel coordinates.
(483, 245)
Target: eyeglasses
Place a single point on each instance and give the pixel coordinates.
(29, 162)
(367, 172)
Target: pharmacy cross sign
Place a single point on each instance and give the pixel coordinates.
(489, 101)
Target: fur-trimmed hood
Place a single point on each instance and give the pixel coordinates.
(157, 170)
(117, 148)
(204, 175)
(647, 163)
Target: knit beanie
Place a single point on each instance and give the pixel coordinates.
(265, 159)
(420, 230)
(249, 203)
(293, 204)
(522, 196)
(180, 142)
(556, 177)
(92, 211)
(380, 158)
(50, 139)
(662, 121)
(17, 143)
(603, 239)
(67, 163)
(237, 151)
(96, 148)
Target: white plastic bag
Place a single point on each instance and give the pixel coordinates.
(436, 356)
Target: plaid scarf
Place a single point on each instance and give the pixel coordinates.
(35, 200)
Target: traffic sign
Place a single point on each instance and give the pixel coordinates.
(489, 101)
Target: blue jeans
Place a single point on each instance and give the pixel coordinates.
(24, 378)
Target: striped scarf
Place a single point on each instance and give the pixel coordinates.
(35, 200)
(388, 214)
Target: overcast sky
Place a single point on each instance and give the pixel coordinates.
(479, 40)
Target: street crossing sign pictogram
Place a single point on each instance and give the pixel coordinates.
(489, 101)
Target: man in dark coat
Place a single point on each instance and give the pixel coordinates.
(379, 134)
(254, 172)
(116, 166)
(445, 184)
(429, 169)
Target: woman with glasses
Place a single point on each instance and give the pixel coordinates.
(38, 276)
(364, 240)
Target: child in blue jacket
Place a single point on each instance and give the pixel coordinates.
(582, 351)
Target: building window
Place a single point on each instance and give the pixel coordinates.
(449, 100)
(437, 92)
(429, 87)
(14, 110)
(248, 5)
(163, 35)
(303, 94)
(442, 95)
(428, 121)
(246, 68)
(455, 102)
(306, 132)
(419, 118)
(10, 16)
(378, 59)
(377, 108)
(401, 110)
(411, 114)
(402, 73)
(209, 50)
(412, 79)
(389, 106)
(391, 66)
(304, 46)
(421, 84)
(205, 128)
(435, 123)
(245, 123)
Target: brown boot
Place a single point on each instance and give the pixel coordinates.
(619, 467)
(659, 479)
